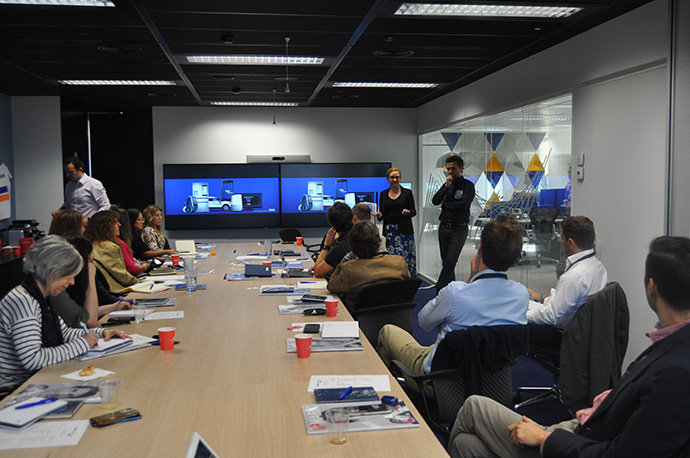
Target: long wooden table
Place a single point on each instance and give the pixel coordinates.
(231, 380)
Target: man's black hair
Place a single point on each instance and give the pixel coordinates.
(340, 216)
(668, 263)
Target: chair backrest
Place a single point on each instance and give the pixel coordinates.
(542, 220)
(390, 292)
(593, 347)
(289, 235)
(372, 319)
(487, 350)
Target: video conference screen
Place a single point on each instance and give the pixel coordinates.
(309, 190)
(219, 196)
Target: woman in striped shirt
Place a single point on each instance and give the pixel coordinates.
(32, 335)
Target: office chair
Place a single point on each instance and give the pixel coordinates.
(471, 361)
(543, 229)
(591, 355)
(291, 234)
(390, 292)
(372, 319)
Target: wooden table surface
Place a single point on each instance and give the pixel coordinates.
(231, 380)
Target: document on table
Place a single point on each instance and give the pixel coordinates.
(340, 330)
(44, 434)
(379, 382)
(164, 315)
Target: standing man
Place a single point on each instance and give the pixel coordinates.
(83, 193)
(455, 198)
(584, 275)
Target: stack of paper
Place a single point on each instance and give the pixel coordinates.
(106, 347)
(148, 287)
(137, 342)
(340, 330)
(17, 418)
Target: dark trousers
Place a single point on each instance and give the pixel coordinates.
(450, 241)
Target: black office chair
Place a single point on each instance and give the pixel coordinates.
(390, 292)
(471, 361)
(372, 319)
(543, 230)
(291, 234)
(592, 350)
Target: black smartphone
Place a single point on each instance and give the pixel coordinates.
(118, 416)
(313, 298)
(156, 262)
(312, 328)
(65, 412)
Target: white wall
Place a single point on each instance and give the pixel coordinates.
(228, 135)
(635, 39)
(620, 125)
(37, 145)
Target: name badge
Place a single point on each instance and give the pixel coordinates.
(458, 194)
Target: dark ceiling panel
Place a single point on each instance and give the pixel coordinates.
(149, 39)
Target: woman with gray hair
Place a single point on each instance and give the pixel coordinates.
(32, 334)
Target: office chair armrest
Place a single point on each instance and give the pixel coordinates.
(408, 373)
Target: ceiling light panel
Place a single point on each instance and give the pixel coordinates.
(441, 9)
(59, 2)
(116, 83)
(255, 60)
(256, 104)
(387, 85)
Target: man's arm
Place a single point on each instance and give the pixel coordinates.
(339, 281)
(100, 197)
(440, 194)
(436, 310)
(558, 307)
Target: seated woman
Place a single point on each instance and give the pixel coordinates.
(139, 248)
(133, 266)
(370, 266)
(79, 303)
(152, 235)
(32, 335)
(102, 231)
(67, 221)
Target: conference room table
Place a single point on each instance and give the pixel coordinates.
(230, 379)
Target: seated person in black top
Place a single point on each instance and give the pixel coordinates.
(335, 244)
(140, 249)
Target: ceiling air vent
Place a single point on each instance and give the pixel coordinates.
(393, 52)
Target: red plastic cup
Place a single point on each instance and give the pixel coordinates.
(299, 241)
(166, 337)
(25, 243)
(17, 251)
(176, 260)
(332, 308)
(303, 342)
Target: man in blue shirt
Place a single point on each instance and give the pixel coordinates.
(488, 299)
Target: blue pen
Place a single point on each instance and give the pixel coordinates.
(126, 300)
(44, 401)
(151, 287)
(158, 343)
(303, 259)
(344, 394)
(84, 328)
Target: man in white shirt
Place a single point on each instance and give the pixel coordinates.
(584, 275)
(83, 193)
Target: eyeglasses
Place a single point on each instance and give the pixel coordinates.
(394, 177)
(141, 219)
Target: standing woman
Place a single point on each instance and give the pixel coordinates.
(32, 335)
(153, 237)
(103, 229)
(397, 210)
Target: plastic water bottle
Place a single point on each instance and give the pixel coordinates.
(190, 275)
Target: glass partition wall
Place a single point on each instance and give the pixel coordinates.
(519, 163)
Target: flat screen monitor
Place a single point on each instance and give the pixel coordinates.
(221, 196)
(309, 190)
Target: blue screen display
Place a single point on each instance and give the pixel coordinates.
(221, 195)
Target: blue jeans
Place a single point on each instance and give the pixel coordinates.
(450, 241)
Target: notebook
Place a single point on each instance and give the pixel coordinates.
(14, 418)
(185, 247)
(340, 330)
(364, 393)
(257, 270)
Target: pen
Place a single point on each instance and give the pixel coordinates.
(151, 287)
(158, 343)
(84, 328)
(126, 300)
(44, 401)
(344, 394)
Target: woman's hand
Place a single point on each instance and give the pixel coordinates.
(91, 339)
(405, 212)
(110, 333)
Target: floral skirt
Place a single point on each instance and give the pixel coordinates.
(401, 245)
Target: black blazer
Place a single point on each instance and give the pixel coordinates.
(646, 414)
(405, 222)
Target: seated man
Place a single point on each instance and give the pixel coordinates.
(370, 266)
(584, 275)
(335, 245)
(362, 212)
(489, 299)
(647, 412)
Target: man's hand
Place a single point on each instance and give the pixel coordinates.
(110, 333)
(534, 296)
(330, 237)
(449, 179)
(526, 433)
(474, 265)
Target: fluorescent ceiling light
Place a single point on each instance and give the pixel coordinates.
(116, 83)
(59, 2)
(255, 60)
(257, 104)
(393, 85)
(443, 9)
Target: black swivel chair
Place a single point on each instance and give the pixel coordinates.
(543, 232)
(386, 303)
(291, 234)
(471, 361)
(592, 351)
